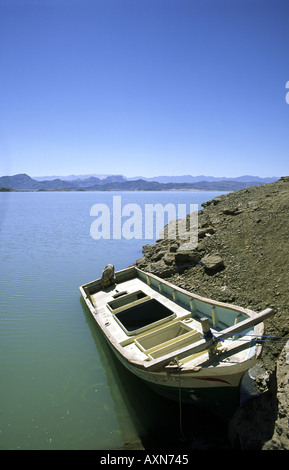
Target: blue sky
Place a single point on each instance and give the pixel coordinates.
(144, 87)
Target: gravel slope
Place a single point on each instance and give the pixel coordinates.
(242, 258)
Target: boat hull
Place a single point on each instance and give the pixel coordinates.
(221, 401)
(218, 395)
(159, 333)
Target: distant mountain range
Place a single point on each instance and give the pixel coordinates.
(23, 182)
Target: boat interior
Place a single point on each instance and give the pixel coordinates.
(159, 319)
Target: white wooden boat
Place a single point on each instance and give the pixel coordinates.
(185, 346)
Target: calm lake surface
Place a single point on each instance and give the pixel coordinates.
(61, 388)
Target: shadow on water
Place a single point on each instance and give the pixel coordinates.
(148, 421)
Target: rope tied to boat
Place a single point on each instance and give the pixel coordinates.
(210, 335)
(259, 338)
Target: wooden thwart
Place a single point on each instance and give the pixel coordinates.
(206, 343)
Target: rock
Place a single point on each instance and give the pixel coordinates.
(234, 211)
(200, 246)
(174, 247)
(157, 256)
(214, 202)
(189, 258)
(204, 231)
(253, 423)
(253, 205)
(280, 438)
(212, 262)
(141, 262)
(216, 220)
(147, 249)
(107, 277)
(161, 269)
(169, 258)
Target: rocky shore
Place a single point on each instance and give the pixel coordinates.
(242, 258)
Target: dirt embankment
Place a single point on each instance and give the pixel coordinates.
(242, 258)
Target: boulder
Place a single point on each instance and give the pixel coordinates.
(141, 262)
(189, 258)
(160, 269)
(158, 255)
(147, 249)
(107, 277)
(213, 262)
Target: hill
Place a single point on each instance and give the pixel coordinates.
(246, 234)
(23, 182)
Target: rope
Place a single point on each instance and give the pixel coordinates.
(280, 339)
(180, 408)
(210, 335)
(277, 339)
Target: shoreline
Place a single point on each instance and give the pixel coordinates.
(242, 258)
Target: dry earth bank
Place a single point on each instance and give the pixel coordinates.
(242, 258)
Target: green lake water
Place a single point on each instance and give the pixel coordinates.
(61, 387)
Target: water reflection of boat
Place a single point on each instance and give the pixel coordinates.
(183, 345)
(145, 419)
(129, 434)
